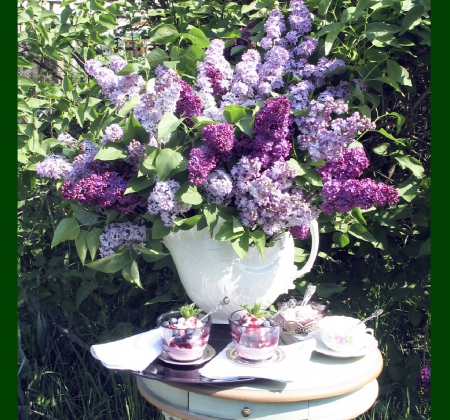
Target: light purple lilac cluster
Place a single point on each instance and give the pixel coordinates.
(325, 136)
(162, 201)
(53, 166)
(219, 141)
(118, 89)
(161, 100)
(342, 191)
(116, 234)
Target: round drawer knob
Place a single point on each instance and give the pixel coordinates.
(246, 412)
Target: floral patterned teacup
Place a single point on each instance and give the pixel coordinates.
(341, 333)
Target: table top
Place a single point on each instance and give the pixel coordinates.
(321, 377)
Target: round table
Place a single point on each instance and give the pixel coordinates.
(328, 388)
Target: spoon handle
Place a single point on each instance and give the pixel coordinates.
(378, 312)
(223, 302)
(310, 290)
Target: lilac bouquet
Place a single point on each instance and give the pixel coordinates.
(265, 145)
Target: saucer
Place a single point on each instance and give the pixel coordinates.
(277, 357)
(322, 348)
(208, 354)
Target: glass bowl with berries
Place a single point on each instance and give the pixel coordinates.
(185, 333)
(255, 332)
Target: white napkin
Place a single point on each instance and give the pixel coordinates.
(133, 353)
(221, 367)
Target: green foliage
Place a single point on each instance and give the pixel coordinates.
(189, 310)
(255, 310)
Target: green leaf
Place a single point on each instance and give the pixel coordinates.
(246, 125)
(93, 241)
(412, 164)
(128, 106)
(24, 64)
(83, 292)
(301, 112)
(234, 113)
(190, 222)
(111, 151)
(323, 7)
(131, 274)
(396, 372)
(394, 70)
(156, 57)
(163, 34)
(160, 299)
(389, 81)
(81, 245)
(241, 244)
(169, 162)
(414, 316)
(325, 290)
(129, 68)
(112, 263)
(237, 49)
(425, 248)
(159, 230)
(84, 216)
(412, 18)
(390, 137)
(360, 232)
(138, 184)
(134, 131)
(167, 125)
(332, 35)
(259, 238)
(226, 232)
(341, 238)
(190, 59)
(211, 213)
(67, 229)
(357, 214)
(150, 255)
(188, 193)
(25, 81)
(199, 38)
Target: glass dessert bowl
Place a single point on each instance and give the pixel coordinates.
(255, 338)
(184, 339)
(303, 320)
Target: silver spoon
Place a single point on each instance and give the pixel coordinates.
(223, 302)
(291, 303)
(378, 312)
(310, 290)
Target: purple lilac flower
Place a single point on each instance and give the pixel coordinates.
(218, 186)
(243, 40)
(105, 78)
(116, 234)
(245, 80)
(162, 200)
(105, 189)
(271, 72)
(220, 140)
(112, 133)
(269, 198)
(272, 131)
(53, 166)
(67, 140)
(300, 232)
(307, 47)
(128, 86)
(341, 91)
(424, 379)
(300, 94)
(117, 63)
(214, 76)
(274, 28)
(300, 19)
(161, 100)
(136, 151)
(324, 136)
(201, 162)
(188, 104)
(350, 165)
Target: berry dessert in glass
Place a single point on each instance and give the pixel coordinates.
(184, 335)
(255, 333)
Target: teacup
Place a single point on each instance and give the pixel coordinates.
(344, 333)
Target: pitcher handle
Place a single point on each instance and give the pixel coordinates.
(314, 229)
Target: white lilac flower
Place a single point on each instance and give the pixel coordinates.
(116, 234)
(218, 186)
(114, 132)
(67, 140)
(53, 166)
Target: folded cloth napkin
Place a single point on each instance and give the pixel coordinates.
(132, 353)
(221, 367)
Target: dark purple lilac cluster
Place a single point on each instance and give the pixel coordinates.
(219, 141)
(104, 184)
(424, 379)
(189, 104)
(272, 132)
(342, 191)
